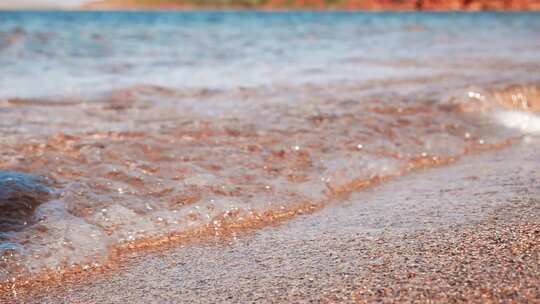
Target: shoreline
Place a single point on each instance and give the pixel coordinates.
(380, 222)
(281, 157)
(222, 230)
(420, 164)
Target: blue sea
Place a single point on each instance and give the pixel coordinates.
(80, 53)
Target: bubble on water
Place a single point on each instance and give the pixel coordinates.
(476, 95)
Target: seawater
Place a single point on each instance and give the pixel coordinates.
(153, 127)
(77, 53)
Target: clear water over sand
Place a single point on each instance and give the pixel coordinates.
(154, 125)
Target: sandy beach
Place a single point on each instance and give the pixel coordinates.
(442, 235)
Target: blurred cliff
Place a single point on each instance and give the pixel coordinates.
(444, 5)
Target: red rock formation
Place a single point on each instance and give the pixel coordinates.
(395, 5)
(441, 4)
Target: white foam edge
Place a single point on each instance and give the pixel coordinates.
(526, 122)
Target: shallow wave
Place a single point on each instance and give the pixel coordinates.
(514, 106)
(521, 107)
(148, 165)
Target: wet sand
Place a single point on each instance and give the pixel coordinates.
(467, 232)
